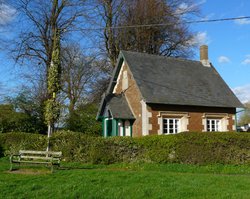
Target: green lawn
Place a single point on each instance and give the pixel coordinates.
(126, 181)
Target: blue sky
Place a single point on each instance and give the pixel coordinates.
(228, 41)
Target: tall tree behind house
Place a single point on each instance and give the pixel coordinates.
(125, 27)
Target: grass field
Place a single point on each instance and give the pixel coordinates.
(75, 180)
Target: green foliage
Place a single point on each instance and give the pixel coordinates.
(186, 148)
(30, 109)
(1, 151)
(245, 117)
(53, 77)
(210, 148)
(15, 141)
(83, 120)
(52, 111)
(52, 106)
(11, 120)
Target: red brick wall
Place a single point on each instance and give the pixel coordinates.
(195, 115)
(133, 97)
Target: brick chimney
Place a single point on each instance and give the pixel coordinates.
(204, 55)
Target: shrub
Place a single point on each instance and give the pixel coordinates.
(1, 151)
(12, 120)
(188, 148)
(13, 142)
(83, 119)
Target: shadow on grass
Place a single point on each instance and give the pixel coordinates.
(75, 168)
(28, 171)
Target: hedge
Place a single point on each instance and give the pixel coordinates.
(188, 148)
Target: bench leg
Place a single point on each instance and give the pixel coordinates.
(11, 166)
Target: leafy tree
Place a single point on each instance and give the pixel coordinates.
(83, 120)
(245, 117)
(29, 106)
(11, 120)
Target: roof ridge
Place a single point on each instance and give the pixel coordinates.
(161, 56)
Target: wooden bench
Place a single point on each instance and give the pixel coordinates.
(49, 158)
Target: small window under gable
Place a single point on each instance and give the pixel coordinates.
(119, 79)
(124, 80)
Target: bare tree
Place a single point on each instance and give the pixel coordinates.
(137, 26)
(79, 73)
(35, 38)
(109, 12)
(38, 22)
(171, 39)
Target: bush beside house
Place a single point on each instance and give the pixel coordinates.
(188, 148)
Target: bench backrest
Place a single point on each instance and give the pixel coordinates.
(41, 153)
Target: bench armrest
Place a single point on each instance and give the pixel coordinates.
(14, 156)
(56, 160)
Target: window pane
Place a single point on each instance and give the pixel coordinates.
(213, 124)
(170, 125)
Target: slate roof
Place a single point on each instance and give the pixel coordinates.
(118, 106)
(165, 80)
(174, 81)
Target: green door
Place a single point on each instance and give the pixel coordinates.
(109, 127)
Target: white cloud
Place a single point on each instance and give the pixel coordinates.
(200, 38)
(242, 21)
(243, 93)
(209, 16)
(223, 59)
(7, 14)
(185, 7)
(246, 61)
(182, 9)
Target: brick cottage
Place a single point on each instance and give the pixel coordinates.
(151, 94)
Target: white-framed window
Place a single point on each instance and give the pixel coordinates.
(171, 125)
(172, 122)
(213, 125)
(215, 122)
(127, 128)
